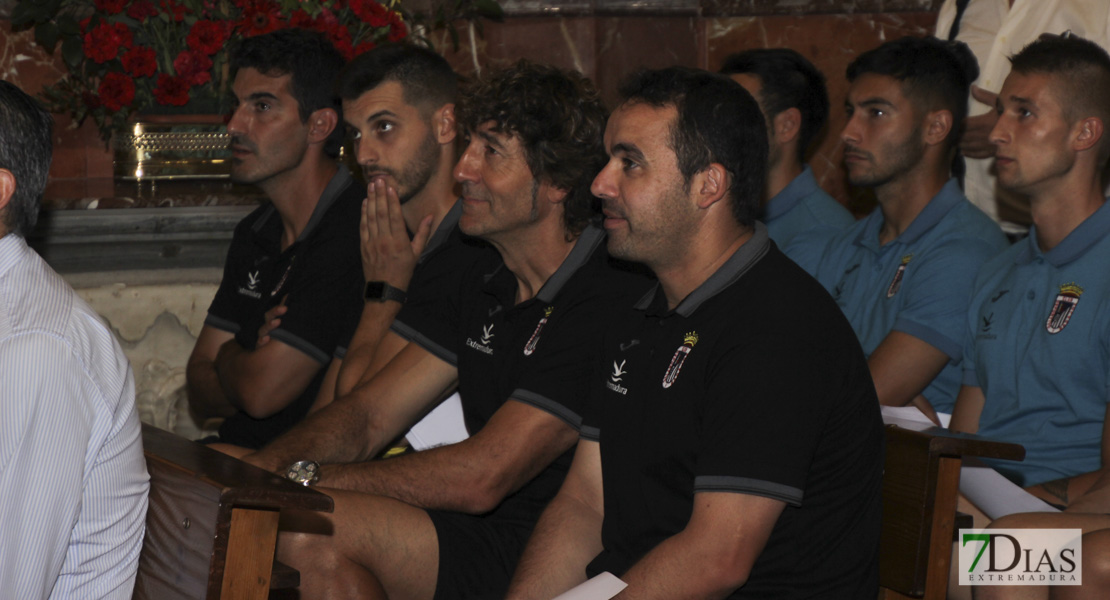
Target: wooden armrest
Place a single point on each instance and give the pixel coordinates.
(212, 521)
(920, 486)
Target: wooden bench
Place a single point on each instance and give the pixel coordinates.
(921, 483)
(211, 526)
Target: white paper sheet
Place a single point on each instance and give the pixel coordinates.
(995, 495)
(909, 417)
(444, 425)
(602, 587)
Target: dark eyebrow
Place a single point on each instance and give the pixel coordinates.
(262, 96)
(380, 114)
(876, 102)
(490, 139)
(629, 151)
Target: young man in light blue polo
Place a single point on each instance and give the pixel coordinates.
(791, 93)
(902, 275)
(1037, 364)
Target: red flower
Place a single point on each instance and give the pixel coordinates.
(397, 29)
(140, 62)
(207, 37)
(116, 91)
(105, 41)
(173, 91)
(141, 10)
(370, 12)
(112, 7)
(193, 67)
(300, 18)
(175, 9)
(364, 47)
(259, 17)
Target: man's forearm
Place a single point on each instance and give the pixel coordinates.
(336, 433)
(373, 326)
(206, 397)
(565, 540)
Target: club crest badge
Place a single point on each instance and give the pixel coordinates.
(530, 347)
(1063, 308)
(679, 358)
(896, 283)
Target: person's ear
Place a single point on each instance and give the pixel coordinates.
(786, 126)
(321, 123)
(937, 126)
(443, 122)
(7, 190)
(711, 185)
(1088, 132)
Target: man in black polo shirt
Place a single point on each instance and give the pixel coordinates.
(298, 249)
(732, 446)
(516, 338)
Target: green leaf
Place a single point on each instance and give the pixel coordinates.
(68, 26)
(46, 35)
(73, 52)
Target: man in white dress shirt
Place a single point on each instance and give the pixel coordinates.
(73, 482)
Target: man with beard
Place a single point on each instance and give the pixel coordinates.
(516, 338)
(297, 249)
(731, 446)
(901, 275)
(399, 110)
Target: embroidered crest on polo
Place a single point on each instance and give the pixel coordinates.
(1063, 308)
(896, 283)
(616, 377)
(679, 358)
(530, 347)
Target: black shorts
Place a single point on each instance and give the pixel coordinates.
(477, 555)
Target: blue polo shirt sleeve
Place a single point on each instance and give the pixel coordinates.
(807, 248)
(938, 295)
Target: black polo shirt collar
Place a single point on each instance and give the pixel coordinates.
(335, 187)
(655, 303)
(501, 283)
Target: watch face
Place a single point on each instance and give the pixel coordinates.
(374, 290)
(303, 472)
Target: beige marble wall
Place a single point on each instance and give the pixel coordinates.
(157, 325)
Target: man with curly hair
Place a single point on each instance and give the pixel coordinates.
(516, 339)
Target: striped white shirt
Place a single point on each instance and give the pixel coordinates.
(73, 481)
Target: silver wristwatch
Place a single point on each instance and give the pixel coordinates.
(304, 472)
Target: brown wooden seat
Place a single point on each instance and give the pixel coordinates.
(211, 526)
(920, 485)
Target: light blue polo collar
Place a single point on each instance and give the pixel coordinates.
(802, 186)
(1093, 229)
(946, 199)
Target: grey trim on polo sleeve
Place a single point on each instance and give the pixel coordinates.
(222, 324)
(301, 344)
(932, 337)
(588, 432)
(340, 352)
(426, 343)
(747, 485)
(548, 405)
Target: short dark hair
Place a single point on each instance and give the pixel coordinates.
(560, 120)
(312, 61)
(935, 74)
(788, 80)
(25, 149)
(426, 79)
(1082, 68)
(718, 122)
